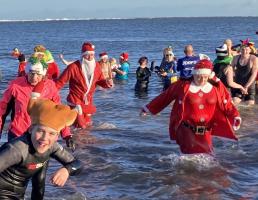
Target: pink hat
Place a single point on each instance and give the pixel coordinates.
(87, 48)
(103, 55)
(203, 67)
(124, 56)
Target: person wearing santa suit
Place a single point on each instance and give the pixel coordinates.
(202, 108)
(83, 77)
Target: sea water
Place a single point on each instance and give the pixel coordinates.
(125, 156)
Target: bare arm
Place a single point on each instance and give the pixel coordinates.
(230, 81)
(61, 56)
(253, 63)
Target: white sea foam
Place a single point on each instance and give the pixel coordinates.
(104, 126)
(197, 161)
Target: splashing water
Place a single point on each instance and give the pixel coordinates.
(199, 162)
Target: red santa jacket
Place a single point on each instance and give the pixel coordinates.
(19, 91)
(223, 117)
(78, 87)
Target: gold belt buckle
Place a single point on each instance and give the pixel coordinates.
(200, 130)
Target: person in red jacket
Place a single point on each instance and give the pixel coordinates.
(202, 108)
(16, 98)
(83, 77)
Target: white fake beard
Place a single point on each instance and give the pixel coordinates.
(89, 66)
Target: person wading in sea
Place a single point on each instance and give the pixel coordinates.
(26, 158)
(202, 108)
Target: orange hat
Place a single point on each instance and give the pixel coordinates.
(203, 67)
(47, 113)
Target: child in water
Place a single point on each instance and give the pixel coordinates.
(142, 75)
(113, 65)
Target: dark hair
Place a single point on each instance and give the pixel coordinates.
(142, 59)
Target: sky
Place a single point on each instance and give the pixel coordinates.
(84, 9)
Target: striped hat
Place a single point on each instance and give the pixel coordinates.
(222, 50)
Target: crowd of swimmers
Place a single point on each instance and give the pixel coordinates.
(202, 91)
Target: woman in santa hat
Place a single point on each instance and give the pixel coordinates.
(202, 108)
(105, 65)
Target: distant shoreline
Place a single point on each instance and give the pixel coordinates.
(88, 19)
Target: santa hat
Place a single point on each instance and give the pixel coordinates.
(47, 113)
(222, 50)
(203, 67)
(87, 48)
(103, 55)
(124, 56)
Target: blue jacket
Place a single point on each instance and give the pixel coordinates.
(186, 64)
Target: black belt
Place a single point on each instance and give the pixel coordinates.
(198, 130)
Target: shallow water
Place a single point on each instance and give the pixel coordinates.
(128, 157)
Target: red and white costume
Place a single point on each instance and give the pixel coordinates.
(83, 77)
(52, 70)
(208, 107)
(18, 93)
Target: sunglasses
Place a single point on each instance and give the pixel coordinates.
(168, 55)
(33, 73)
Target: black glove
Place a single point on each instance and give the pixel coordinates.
(70, 142)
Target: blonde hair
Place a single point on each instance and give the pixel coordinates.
(112, 61)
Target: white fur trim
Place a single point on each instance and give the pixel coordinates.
(205, 88)
(204, 56)
(105, 56)
(35, 95)
(146, 109)
(202, 71)
(88, 52)
(87, 81)
(234, 126)
(78, 108)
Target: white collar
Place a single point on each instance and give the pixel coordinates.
(204, 88)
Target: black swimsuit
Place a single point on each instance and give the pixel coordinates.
(19, 163)
(242, 75)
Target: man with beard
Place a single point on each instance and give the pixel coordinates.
(83, 76)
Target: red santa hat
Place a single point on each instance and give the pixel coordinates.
(203, 67)
(87, 48)
(103, 55)
(124, 56)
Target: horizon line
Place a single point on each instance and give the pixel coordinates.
(111, 18)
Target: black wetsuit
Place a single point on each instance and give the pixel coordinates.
(142, 76)
(20, 163)
(242, 75)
